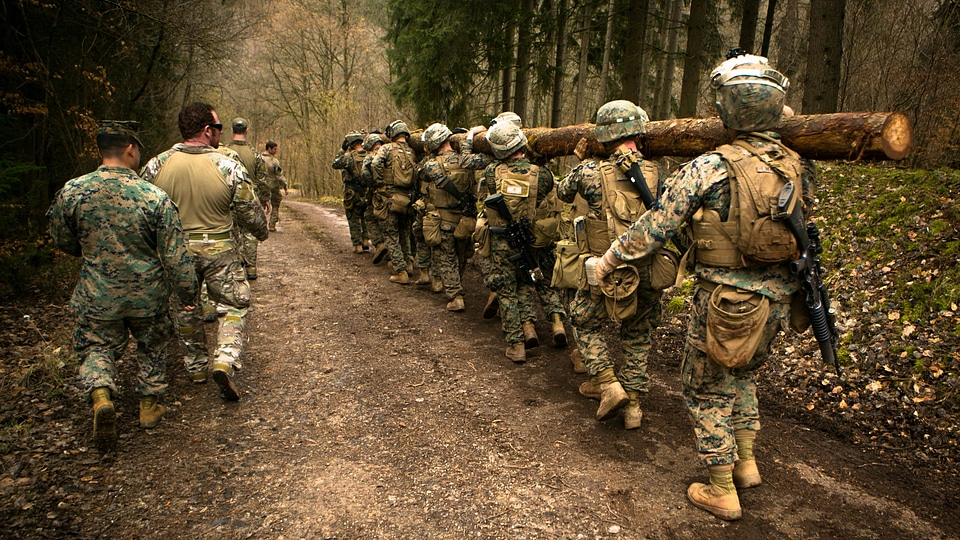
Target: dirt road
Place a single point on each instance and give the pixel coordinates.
(370, 412)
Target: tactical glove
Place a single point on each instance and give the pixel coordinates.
(605, 267)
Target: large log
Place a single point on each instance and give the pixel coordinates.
(849, 136)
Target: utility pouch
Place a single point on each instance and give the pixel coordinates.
(735, 322)
(431, 228)
(799, 312)
(481, 237)
(381, 206)
(620, 292)
(663, 269)
(598, 236)
(465, 228)
(400, 203)
(567, 269)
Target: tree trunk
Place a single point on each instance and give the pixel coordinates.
(768, 27)
(669, 68)
(854, 136)
(556, 109)
(693, 63)
(824, 54)
(607, 44)
(578, 109)
(523, 58)
(748, 26)
(633, 64)
(507, 88)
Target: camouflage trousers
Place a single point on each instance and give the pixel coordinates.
(447, 262)
(248, 252)
(218, 265)
(358, 230)
(551, 300)
(100, 345)
(372, 225)
(516, 296)
(424, 254)
(275, 198)
(720, 400)
(588, 316)
(396, 235)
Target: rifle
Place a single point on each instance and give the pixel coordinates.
(637, 180)
(808, 269)
(466, 202)
(519, 237)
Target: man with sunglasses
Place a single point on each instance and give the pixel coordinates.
(211, 190)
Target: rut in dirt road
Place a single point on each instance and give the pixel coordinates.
(368, 411)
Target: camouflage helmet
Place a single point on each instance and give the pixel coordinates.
(352, 137)
(620, 119)
(505, 139)
(371, 140)
(507, 116)
(435, 135)
(750, 93)
(396, 128)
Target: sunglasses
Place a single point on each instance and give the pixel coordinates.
(218, 127)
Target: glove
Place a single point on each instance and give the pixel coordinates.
(581, 150)
(605, 266)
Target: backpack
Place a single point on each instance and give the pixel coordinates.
(402, 165)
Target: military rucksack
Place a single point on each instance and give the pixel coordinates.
(519, 193)
(402, 163)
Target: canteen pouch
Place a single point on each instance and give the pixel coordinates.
(400, 203)
(735, 322)
(465, 228)
(381, 206)
(567, 269)
(481, 237)
(663, 269)
(621, 292)
(431, 228)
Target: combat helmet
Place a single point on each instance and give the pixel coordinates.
(507, 116)
(396, 128)
(505, 139)
(750, 93)
(371, 140)
(350, 138)
(434, 136)
(620, 119)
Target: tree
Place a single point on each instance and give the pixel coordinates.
(702, 24)
(634, 67)
(824, 55)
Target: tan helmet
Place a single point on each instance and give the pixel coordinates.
(435, 135)
(505, 139)
(750, 93)
(350, 138)
(620, 119)
(371, 140)
(396, 128)
(507, 116)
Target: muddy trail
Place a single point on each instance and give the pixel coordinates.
(368, 411)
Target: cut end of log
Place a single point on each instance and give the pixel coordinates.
(896, 136)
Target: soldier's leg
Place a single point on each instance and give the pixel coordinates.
(423, 251)
(228, 285)
(373, 225)
(636, 337)
(98, 344)
(248, 251)
(392, 235)
(587, 314)
(190, 325)
(354, 223)
(448, 266)
(275, 198)
(407, 245)
(501, 278)
(152, 335)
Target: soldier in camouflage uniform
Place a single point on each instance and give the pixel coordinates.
(211, 191)
(275, 180)
(372, 143)
(426, 258)
(130, 237)
(349, 161)
(515, 294)
(257, 170)
(392, 172)
(442, 168)
(618, 123)
(722, 401)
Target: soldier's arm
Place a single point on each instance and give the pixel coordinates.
(246, 208)
(60, 216)
(569, 185)
(342, 161)
(176, 260)
(471, 160)
(377, 164)
(545, 183)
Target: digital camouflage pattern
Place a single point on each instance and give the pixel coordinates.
(619, 119)
(396, 228)
(371, 223)
(588, 311)
(349, 164)
(129, 235)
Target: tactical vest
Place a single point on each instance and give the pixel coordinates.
(755, 232)
(519, 193)
(621, 205)
(354, 170)
(446, 204)
(400, 171)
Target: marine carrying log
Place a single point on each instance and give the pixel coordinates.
(850, 136)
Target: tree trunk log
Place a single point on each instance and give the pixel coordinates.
(849, 136)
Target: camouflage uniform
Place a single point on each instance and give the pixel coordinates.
(588, 310)
(372, 224)
(276, 182)
(516, 296)
(354, 193)
(205, 204)
(129, 235)
(257, 170)
(397, 227)
(719, 400)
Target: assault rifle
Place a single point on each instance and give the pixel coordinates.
(519, 237)
(808, 269)
(466, 202)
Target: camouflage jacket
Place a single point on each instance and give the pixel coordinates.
(350, 163)
(703, 183)
(274, 172)
(129, 235)
(474, 161)
(383, 160)
(203, 210)
(256, 168)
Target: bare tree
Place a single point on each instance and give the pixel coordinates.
(824, 55)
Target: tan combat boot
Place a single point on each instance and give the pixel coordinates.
(745, 472)
(576, 358)
(517, 353)
(612, 395)
(400, 277)
(591, 388)
(437, 285)
(150, 412)
(632, 415)
(559, 333)
(530, 339)
(424, 277)
(358, 250)
(104, 418)
(379, 253)
(491, 307)
(719, 497)
(456, 304)
(223, 376)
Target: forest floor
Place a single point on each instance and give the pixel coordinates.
(368, 411)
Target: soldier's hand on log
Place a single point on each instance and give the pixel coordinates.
(605, 267)
(581, 150)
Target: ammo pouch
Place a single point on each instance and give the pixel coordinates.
(381, 206)
(400, 203)
(481, 237)
(465, 228)
(620, 292)
(546, 231)
(664, 269)
(431, 228)
(735, 322)
(568, 268)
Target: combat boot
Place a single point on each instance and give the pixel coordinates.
(456, 304)
(576, 358)
(358, 250)
(151, 412)
(379, 253)
(104, 418)
(199, 377)
(719, 497)
(591, 388)
(400, 277)
(632, 415)
(745, 472)
(209, 312)
(424, 277)
(251, 273)
(491, 307)
(612, 396)
(530, 339)
(223, 376)
(517, 353)
(559, 333)
(436, 285)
